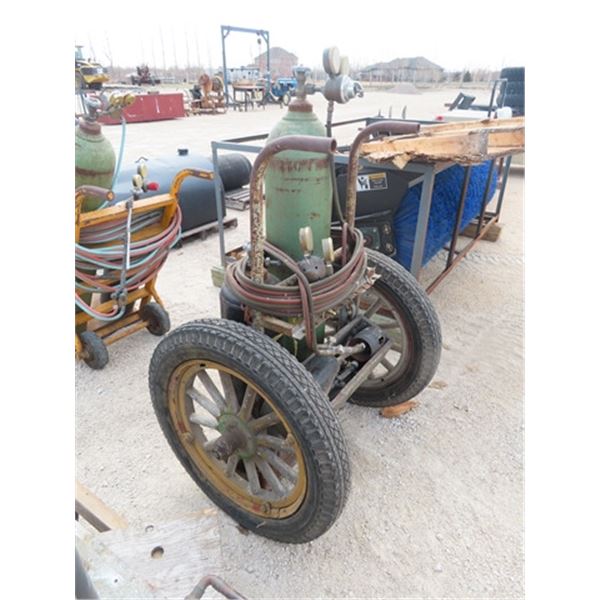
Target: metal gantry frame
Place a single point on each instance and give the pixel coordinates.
(426, 171)
(225, 31)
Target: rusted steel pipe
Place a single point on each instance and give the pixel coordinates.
(393, 127)
(218, 584)
(304, 143)
(92, 190)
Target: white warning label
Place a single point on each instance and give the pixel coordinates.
(371, 182)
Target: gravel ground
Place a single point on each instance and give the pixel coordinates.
(436, 506)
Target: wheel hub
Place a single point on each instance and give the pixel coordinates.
(236, 437)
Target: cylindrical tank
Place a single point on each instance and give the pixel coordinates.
(298, 187)
(196, 196)
(94, 160)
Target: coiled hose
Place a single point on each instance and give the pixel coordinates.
(102, 247)
(245, 278)
(305, 299)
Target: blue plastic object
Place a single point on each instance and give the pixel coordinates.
(442, 215)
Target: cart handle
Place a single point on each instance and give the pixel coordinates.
(304, 143)
(392, 127)
(183, 174)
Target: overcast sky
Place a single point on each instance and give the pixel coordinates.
(451, 34)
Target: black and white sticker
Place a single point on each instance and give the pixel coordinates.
(371, 182)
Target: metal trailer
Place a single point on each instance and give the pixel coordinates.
(423, 173)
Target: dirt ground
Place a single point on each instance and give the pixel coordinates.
(436, 506)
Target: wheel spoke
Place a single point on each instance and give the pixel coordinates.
(286, 470)
(204, 402)
(232, 463)
(397, 347)
(270, 441)
(373, 308)
(212, 389)
(247, 403)
(265, 468)
(390, 325)
(230, 395)
(261, 423)
(387, 364)
(204, 420)
(252, 475)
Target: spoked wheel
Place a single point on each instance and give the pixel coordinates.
(252, 428)
(401, 308)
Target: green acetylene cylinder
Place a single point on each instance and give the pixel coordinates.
(298, 187)
(94, 160)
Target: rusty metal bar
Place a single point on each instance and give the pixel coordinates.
(431, 287)
(360, 377)
(389, 127)
(304, 143)
(459, 214)
(218, 584)
(503, 185)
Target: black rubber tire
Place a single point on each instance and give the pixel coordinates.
(515, 88)
(513, 73)
(297, 396)
(517, 103)
(402, 290)
(285, 99)
(158, 318)
(95, 353)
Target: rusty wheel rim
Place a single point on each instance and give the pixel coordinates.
(380, 310)
(251, 457)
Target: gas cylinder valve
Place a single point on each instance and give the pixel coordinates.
(340, 87)
(313, 267)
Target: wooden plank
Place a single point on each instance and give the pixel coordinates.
(168, 558)
(467, 125)
(455, 147)
(498, 139)
(95, 512)
(465, 143)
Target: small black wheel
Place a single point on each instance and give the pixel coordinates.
(285, 99)
(252, 428)
(401, 308)
(94, 351)
(158, 321)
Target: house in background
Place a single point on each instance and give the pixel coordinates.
(282, 62)
(416, 70)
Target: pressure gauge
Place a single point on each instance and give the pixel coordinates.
(332, 61)
(143, 169)
(344, 66)
(138, 181)
(306, 239)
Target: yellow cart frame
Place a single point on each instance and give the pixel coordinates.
(131, 322)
